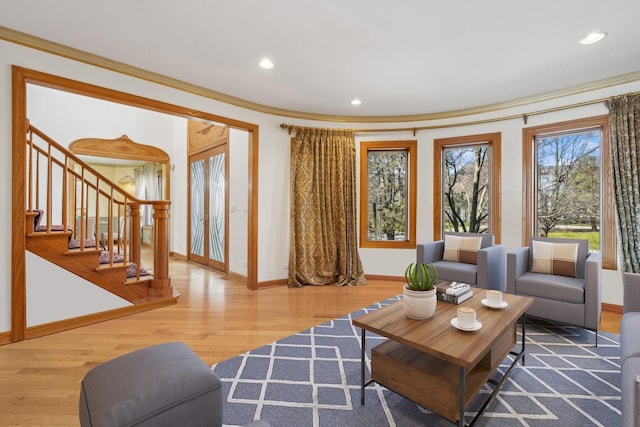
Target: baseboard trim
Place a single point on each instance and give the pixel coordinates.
(178, 256)
(273, 283)
(5, 338)
(76, 322)
(285, 282)
(612, 308)
(395, 279)
(237, 276)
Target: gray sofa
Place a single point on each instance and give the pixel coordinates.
(163, 385)
(488, 273)
(574, 301)
(630, 351)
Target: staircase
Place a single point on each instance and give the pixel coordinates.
(54, 247)
(81, 221)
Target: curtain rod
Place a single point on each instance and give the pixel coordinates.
(524, 117)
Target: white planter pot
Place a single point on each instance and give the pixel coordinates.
(419, 305)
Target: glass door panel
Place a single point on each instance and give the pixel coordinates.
(217, 185)
(197, 208)
(208, 208)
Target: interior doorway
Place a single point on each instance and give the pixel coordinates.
(22, 78)
(209, 194)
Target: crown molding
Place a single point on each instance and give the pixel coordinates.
(54, 48)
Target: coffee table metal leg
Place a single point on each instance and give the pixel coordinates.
(461, 398)
(362, 368)
(524, 327)
(518, 356)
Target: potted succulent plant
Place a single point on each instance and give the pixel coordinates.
(419, 292)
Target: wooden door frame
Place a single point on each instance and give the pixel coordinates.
(23, 76)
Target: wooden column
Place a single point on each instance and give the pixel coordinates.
(161, 283)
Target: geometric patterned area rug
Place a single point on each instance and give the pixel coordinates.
(313, 379)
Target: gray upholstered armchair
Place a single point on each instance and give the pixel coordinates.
(563, 278)
(467, 257)
(630, 351)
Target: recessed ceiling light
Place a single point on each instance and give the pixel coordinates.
(267, 64)
(592, 38)
(356, 102)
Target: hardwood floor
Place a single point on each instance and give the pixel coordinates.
(217, 318)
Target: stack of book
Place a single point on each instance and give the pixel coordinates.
(454, 292)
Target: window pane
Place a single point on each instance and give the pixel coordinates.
(568, 186)
(387, 195)
(466, 189)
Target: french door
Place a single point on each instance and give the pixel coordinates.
(209, 225)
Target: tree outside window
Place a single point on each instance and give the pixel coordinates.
(467, 184)
(387, 195)
(568, 184)
(387, 184)
(466, 189)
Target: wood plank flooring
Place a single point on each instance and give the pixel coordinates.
(217, 318)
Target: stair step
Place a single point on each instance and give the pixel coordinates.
(86, 251)
(116, 266)
(75, 245)
(85, 263)
(141, 281)
(52, 234)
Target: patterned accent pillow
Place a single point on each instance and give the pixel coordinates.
(461, 249)
(560, 259)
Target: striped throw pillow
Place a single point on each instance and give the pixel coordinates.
(560, 259)
(461, 249)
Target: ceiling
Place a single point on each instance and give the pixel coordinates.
(401, 58)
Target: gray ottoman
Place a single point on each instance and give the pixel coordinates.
(163, 385)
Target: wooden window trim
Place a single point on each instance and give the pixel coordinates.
(495, 142)
(412, 148)
(608, 244)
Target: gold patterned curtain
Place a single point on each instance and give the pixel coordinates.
(624, 128)
(324, 245)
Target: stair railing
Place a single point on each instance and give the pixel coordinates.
(96, 212)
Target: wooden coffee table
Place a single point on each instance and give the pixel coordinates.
(436, 365)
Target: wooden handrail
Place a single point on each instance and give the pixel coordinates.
(90, 192)
(79, 161)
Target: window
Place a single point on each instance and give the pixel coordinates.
(148, 178)
(567, 184)
(388, 194)
(467, 185)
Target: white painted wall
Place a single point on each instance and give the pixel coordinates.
(273, 204)
(54, 294)
(65, 117)
(238, 200)
(179, 178)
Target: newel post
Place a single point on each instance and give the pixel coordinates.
(161, 283)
